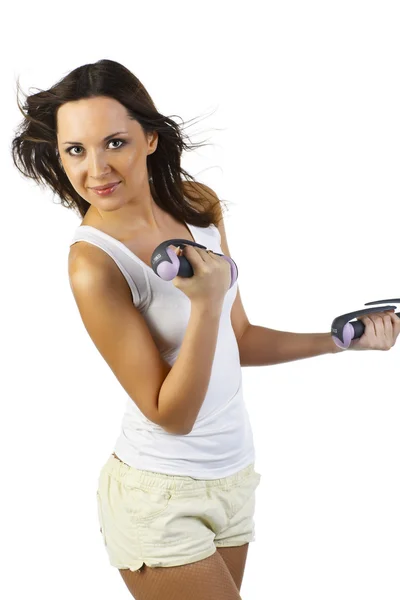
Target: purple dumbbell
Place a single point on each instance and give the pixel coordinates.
(344, 332)
(167, 265)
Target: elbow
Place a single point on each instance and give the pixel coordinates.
(174, 428)
(186, 431)
(172, 423)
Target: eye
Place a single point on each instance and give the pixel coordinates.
(123, 142)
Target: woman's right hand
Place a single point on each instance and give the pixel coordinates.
(211, 276)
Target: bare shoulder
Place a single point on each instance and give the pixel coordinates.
(84, 249)
(84, 254)
(88, 263)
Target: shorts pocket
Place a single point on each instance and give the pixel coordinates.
(143, 504)
(243, 493)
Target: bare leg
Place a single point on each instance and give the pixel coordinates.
(207, 579)
(235, 559)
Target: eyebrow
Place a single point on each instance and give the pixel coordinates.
(105, 139)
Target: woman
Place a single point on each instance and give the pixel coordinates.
(178, 492)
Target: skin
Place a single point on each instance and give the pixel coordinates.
(93, 162)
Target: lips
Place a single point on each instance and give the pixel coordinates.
(105, 187)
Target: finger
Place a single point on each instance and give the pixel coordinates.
(370, 334)
(206, 254)
(395, 321)
(195, 254)
(383, 329)
(210, 256)
(378, 323)
(388, 328)
(387, 320)
(396, 326)
(369, 325)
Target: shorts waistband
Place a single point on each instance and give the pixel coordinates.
(131, 476)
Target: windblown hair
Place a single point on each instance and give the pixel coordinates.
(35, 153)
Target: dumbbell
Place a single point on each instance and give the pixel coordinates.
(167, 265)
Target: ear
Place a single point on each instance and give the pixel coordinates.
(152, 142)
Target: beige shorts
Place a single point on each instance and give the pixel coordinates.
(169, 520)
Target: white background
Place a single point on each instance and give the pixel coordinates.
(305, 148)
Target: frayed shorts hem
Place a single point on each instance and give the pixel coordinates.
(175, 563)
(182, 561)
(237, 543)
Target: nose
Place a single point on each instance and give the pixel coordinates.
(98, 168)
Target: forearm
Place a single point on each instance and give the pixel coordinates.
(260, 346)
(184, 389)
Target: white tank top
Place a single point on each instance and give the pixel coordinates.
(221, 441)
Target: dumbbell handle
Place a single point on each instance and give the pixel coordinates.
(343, 332)
(167, 265)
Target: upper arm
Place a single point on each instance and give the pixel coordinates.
(239, 319)
(117, 328)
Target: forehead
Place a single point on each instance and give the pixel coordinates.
(90, 118)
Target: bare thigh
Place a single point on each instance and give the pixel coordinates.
(235, 559)
(207, 579)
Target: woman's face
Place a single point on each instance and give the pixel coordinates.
(90, 161)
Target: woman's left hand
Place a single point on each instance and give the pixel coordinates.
(381, 332)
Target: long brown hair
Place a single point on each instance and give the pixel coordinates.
(35, 154)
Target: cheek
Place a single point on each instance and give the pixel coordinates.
(134, 167)
(132, 161)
